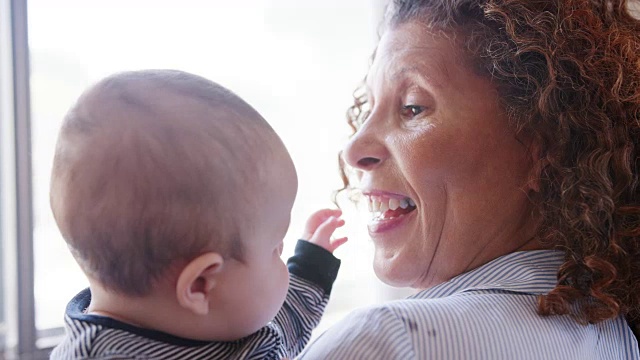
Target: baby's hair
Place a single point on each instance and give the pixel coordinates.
(148, 168)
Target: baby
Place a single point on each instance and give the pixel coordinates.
(174, 196)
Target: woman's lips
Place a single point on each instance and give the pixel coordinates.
(382, 225)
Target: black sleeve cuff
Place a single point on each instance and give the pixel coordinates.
(313, 263)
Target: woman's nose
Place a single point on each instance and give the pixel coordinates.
(365, 150)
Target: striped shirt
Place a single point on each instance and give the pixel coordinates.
(487, 313)
(312, 273)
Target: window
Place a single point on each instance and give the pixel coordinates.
(296, 62)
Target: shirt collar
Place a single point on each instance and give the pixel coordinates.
(76, 311)
(530, 272)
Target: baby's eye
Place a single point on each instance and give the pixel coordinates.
(410, 111)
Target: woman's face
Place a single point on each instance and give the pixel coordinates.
(445, 176)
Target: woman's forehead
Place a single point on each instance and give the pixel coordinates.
(412, 50)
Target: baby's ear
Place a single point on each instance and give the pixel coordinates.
(196, 281)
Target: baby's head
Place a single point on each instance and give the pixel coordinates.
(167, 184)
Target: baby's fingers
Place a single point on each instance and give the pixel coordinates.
(317, 219)
(326, 229)
(336, 243)
(322, 235)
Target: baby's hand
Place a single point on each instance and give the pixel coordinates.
(321, 226)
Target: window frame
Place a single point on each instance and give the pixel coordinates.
(16, 219)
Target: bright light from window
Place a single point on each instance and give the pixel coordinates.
(296, 62)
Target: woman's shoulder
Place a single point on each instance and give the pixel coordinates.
(484, 306)
(467, 323)
(400, 329)
(374, 332)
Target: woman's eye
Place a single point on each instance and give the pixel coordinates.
(410, 111)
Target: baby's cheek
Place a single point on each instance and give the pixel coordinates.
(276, 287)
(284, 280)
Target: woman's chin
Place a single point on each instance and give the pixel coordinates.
(390, 274)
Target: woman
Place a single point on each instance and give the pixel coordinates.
(498, 144)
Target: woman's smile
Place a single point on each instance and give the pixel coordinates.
(388, 211)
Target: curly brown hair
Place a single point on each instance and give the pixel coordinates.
(568, 75)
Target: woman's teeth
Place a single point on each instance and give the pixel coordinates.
(383, 204)
(379, 206)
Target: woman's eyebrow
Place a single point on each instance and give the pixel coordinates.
(419, 71)
(439, 68)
